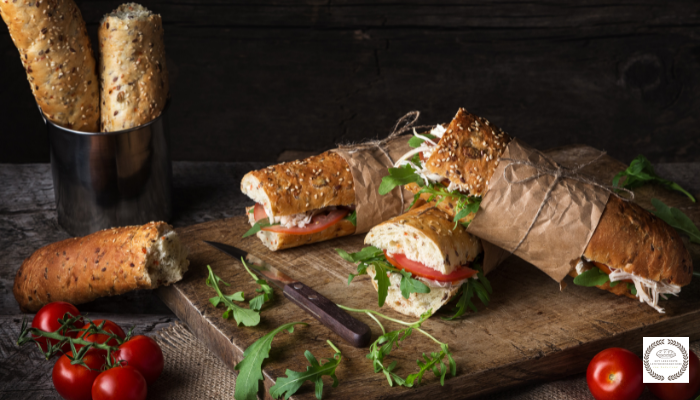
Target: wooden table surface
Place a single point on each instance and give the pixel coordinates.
(203, 191)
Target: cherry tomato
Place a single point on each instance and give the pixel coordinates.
(400, 261)
(680, 391)
(73, 381)
(46, 319)
(120, 383)
(615, 374)
(318, 223)
(109, 326)
(144, 354)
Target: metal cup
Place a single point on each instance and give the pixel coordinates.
(107, 179)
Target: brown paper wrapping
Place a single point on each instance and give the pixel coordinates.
(564, 226)
(368, 165)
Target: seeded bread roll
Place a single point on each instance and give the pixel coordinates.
(632, 238)
(427, 235)
(279, 241)
(132, 67)
(303, 185)
(56, 53)
(105, 263)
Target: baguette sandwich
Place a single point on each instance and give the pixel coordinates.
(452, 166)
(105, 263)
(55, 50)
(301, 202)
(418, 261)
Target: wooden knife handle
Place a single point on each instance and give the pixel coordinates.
(355, 332)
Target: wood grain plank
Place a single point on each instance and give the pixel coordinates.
(531, 331)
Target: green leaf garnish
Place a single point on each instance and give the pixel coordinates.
(266, 292)
(592, 277)
(640, 172)
(416, 142)
(371, 255)
(398, 177)
(352, 217)
(250, 368)
(632, 289)
(290, 384)
(676, 219)
(263, 223)
(480, 286)
(247, 317)
(389, 341)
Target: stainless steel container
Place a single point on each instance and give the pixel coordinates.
(108, 179)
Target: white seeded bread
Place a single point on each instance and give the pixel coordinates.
(303, 185)
(417, 303)
(56, 53)
(279, 241)
(132, 67)
(427, 235)
(105, 263)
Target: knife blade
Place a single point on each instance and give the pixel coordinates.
(352, 330)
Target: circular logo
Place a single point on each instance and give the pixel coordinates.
(664, 360)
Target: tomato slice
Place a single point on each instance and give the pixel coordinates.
(259, 212)
(607, 271)
(400, 261)
(318, 223)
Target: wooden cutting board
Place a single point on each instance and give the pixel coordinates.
(531, 331)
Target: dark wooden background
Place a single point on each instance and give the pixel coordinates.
(251, 79)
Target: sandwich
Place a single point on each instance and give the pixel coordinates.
(301, 202)
(419, 261)
(631, 252)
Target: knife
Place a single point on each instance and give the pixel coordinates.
(355, 332)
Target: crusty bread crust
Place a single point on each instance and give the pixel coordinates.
(78, 270)
(417, 303)
(280, 241)
(631, 238)
(468, 152)
(303, 185)
(426, 229)
(132, 67)
(56, 53)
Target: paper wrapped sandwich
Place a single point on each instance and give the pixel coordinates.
(552, 216)
(418, 262)
(326, 196)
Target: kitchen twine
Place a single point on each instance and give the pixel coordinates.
(559, 173)
(403, 125)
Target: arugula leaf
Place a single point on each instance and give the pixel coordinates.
(641, 171)
(383, 346)
(632, 288)
(252, 210)
(352, 217)
(250, 368)
(398, 177)
(466, 204)
(480, 286)
(263, 223)
(266, 291)
(676, 219)
(247, 317)
(416, 142)
(592, 277)
(371, 255)
(292, 382)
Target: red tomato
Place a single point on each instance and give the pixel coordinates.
(109, 326)
(144, 354)
(400, 261)
(318, 223)
(615, 374)
(120, 383)
(46, 319)
(680, 391)
(74, 382)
